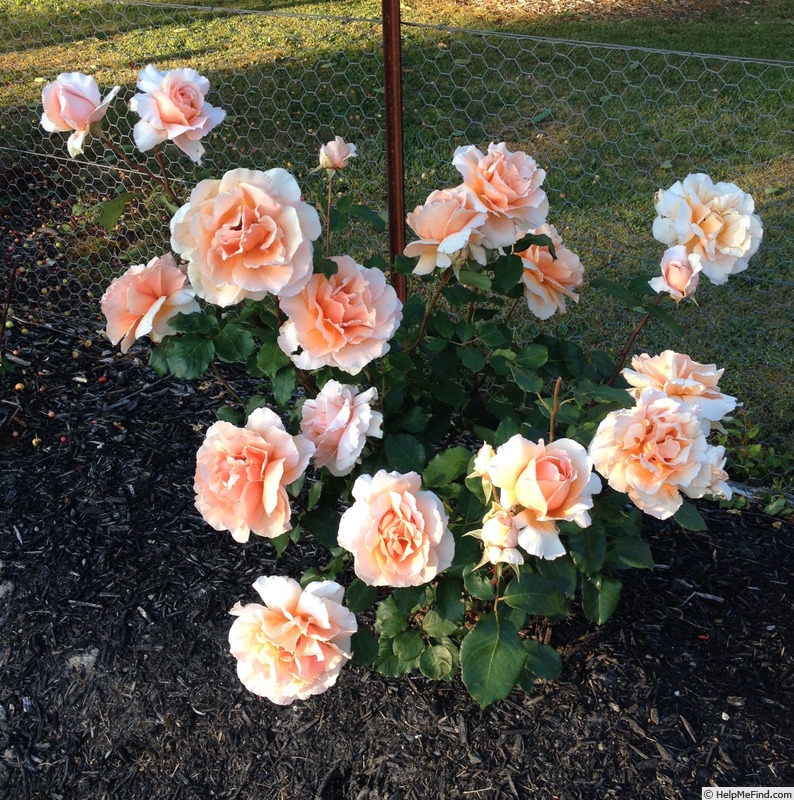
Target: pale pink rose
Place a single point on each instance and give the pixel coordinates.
(499, 536)
(548, 281)
(246, 236)
(652, 452)
(294, 645)
(144, 298)
(680, 276)
(398, 534)
(241, 475)
(172, 107)
(714, 221)
(337, 422)
(448, 229)
(679, 377)
(336, 154)
(555, 482)
(72, 103)
(509, 186)
(344, 321)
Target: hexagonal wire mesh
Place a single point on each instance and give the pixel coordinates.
(610, 124)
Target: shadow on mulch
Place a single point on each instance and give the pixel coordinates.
(115, 676)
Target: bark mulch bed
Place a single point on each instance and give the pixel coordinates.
(115, 676)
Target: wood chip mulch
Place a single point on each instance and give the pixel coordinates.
(115, 676)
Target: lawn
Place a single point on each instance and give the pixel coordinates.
(610, 124)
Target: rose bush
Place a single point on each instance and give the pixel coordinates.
(472, 478)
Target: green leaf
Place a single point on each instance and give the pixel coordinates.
(360, 597)
(538, 239)
(588, 548)
(532, 356)
(475, 279)
(478, 584)
(542, 661)
(544, 115)
(667, 319)
(598, 604)
(507, 428)
(324, 266)
(254, 402)
(339, 214)
(688, 517)
(492, 657)
(365, 647)
(609, 394)
(414, 421)
(158, 358)
(405, 453)
(409, 598)
(449, 599)
(492, 334)
(408, 645)
(280, 543)
(389, 620)
(437, 626)
(617, 291)
(197, 322)
(529, 382)
(404, 265)
(190, 355)
(113, 209)
(229, 414)
(368, 215)
(446, 466)
(472, 358)
(234, 343)
(562, 571)
(388, 663)
(633, 553)
(535, 595)
(439, 662)
(323, 524)
(271, 358)
(507, 273)
(284, 385)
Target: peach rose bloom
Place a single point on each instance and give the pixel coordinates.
(548, 281)
(246, 236)
(714, 221)
(555, 482)
(172, 106)
(294, 645)
(337, 422)
(713, 479)
(144, 298)
(680, 276)
(448, 229)
(336, 154)
(241, 475)
(508, 185)
(344, 321)
(652, 452)
(72, 103)
(398, 535)
(679, 377)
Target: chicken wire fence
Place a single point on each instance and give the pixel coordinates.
(611, 125)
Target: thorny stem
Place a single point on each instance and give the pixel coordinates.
(226, 386)
(634, 334)
(168, 190)
(328, 219)
(131, 164)
(555, 407)
(429, 310)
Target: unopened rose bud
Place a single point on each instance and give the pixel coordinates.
(336, 154)
(680, 273)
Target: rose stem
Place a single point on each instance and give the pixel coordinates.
(328, 219)
(634, 334)
(497, 577)
(555, 407)
(123, 156)
(226, 386)
(429, 309)
(169, 191)
(512, 309)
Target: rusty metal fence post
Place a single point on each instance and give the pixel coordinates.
(395, 168)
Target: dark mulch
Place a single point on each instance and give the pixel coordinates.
(115, 680)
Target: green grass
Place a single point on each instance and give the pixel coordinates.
(617, 124)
